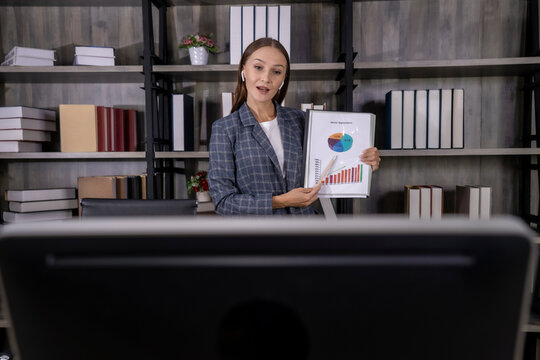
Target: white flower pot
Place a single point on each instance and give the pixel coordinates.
(203, 196)
(198, 55)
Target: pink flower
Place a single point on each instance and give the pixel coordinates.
(210, 43)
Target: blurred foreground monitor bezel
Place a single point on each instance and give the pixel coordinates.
(238, 288)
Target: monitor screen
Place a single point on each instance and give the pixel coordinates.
(250, 288)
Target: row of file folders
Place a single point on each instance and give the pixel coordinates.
(424, 202)
(425, 119)
(249, 23)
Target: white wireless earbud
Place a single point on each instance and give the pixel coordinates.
(280, 86)
(242, 76)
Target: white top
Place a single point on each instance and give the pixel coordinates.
(271, 129)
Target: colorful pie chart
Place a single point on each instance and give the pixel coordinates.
(340, 142)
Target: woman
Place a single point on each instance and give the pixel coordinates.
(256, 151)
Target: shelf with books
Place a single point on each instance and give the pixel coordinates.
(72, 74)
(112, 155)
(513, 66)
(228, 72)
(461, 152)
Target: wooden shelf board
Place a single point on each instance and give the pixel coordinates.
(72, 74)
(461, 152)
(136, 155)
(228, 72)
(446, 68)
(138, 2)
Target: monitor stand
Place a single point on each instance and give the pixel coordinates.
(328, 208)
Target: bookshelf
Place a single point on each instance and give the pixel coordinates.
(477, 45)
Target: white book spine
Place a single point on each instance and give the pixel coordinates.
(420, 119)
(248, 26)
(27, 61)
(458, 119)
(474, 203)
(260, 22)
(446, 119)
(226, 103)
(408, 119)
(13, 217)
(93, 60)
(433, 119)
(394, 119)
(306, 106)
(178, 122)
(27, 112)
(285, 27)
(19, 146)
(94, 51)
(235, 34)
(25, 135)
(40, 194)
(436, 202)
(425, 203)
(29, 124)
(43, 205)
(31, 52)
(412, 204)
(272, 22)
(485, 202)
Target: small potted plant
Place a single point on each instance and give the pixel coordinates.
(199, 44)
(198, 183)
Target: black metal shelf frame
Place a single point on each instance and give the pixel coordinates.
(157, 101)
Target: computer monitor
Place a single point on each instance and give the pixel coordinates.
(258, 288)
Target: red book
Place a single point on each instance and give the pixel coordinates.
(131, 130)
(119, 121)
(101, 129)
(110, 129)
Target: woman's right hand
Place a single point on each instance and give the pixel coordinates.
(299, 197)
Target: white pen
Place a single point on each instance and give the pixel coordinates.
(327, 170)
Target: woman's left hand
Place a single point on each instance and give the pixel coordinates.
(371, 157)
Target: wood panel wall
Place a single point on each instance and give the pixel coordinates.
(383, 30)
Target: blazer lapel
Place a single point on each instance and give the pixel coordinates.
(290, 150)
(258, 134)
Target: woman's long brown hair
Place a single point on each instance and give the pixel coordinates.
(240, 94)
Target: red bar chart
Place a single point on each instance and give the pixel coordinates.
(345, 176)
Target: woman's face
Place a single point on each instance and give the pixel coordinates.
(264, 72)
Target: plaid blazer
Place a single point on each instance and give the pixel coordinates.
(244, 171)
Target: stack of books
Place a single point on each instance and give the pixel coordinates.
(94, 55)
(112, 187)
(39, 204)
(424, 202)
(249, 23)
(24, 129)
(311, 106)
(92, 128)
(23, 56)
(425, 119)
(473, 201)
